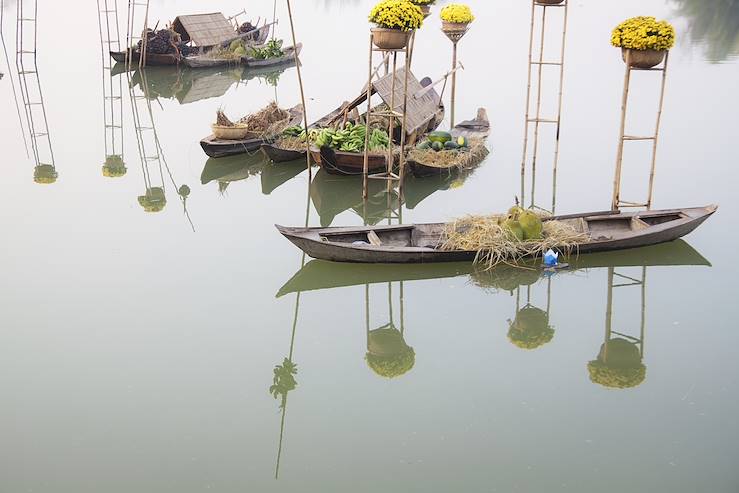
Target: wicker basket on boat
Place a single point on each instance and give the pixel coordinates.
(224, 132)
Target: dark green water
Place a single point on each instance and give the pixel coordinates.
(137, 349)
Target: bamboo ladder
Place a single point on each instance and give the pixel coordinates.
(616, 280)
(110, 40)
(616, 202)
(537, 120)
(30, 84)
(389, 175)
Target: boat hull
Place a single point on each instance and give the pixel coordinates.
(152, 60)
(312, 240)
(279, 155)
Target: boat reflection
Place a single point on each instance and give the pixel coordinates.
(714, 24)
(190, 85)
(331, 195)
(230, 169)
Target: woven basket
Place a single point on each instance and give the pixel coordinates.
(454, 27)
(229, 133)
(390, 39)
(549, 2)
(425, 10)
(643, 58)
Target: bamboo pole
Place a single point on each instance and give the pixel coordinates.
(454, 83)
(609, 312)
(302, 92)
(528, 105)
(404, 123)
(642, 330)
(538, 107)
(622, 129)
(391, 125)
(365, 171)
(555, 166)
(656, 132)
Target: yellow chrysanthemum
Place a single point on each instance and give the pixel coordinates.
(457, 12)
(397, 14)
(643, 33)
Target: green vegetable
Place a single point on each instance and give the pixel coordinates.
(273, 49)
(440, 136)
(424, 145)
(451, 145)
(463, 142)
(437, 146)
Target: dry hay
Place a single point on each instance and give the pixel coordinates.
(451, 159)
(223, 53)
(496, 245)
(270, 120)
(290, 143)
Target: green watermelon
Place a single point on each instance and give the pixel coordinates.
(437, 146)
(451, 145)
(440, 136)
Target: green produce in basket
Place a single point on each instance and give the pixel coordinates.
(440, 136)
(463, 142)
(424, 145)
(451, 145)
(437, 146)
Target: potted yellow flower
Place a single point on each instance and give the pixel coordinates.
(395, 21)
(114, 166)
(424, 5)
(456, 17)
(45, 174)
(644, 41)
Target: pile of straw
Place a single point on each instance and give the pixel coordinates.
(290, 143)
(270, 120)
(450, 159)
(495, 245)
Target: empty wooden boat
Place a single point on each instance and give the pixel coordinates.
(216, 148)
(152, 59)
(420, 243)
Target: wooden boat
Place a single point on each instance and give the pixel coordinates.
(344, 163)
(477, 128)
(418, 243)
(288, 57)
(320, 274)
(216, 148)
(152, 59)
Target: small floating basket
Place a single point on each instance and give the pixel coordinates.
(230, 133)
(390, 39)
(643, 58)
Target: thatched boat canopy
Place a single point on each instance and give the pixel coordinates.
(204, 29)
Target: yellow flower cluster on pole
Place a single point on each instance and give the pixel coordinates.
(644, 33)
(397, 14)
(457, 12)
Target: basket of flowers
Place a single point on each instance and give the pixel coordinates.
(424, 5)
(644, 41)
(114, 167)
(395, 21)
(456, 18)
(388, 355)
(618, 365)
(45, 174)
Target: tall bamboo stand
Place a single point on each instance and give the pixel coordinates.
(302, 91)
(110, 40)
(389, 175)
(455, 36)
(132, 37)
(616, 280)
(540, 63)
(616, 202)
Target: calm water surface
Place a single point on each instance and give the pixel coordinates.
(137, 349)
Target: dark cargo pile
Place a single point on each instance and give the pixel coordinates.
(163, 42)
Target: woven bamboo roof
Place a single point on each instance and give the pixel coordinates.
(420, 110)
(204, 29)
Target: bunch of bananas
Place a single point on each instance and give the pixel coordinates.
(351, 138)
(298, 132)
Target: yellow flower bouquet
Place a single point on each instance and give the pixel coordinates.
(644, 40)
(457, 13)
(397, 14)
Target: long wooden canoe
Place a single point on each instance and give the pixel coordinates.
(216, 148)
(418, 243)
(320, 274)
(477, 128)
(152, 59)
(287, 58)
(206, 61)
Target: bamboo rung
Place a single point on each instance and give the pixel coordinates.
(384, 176)
(632, 137)
(387, 113)
(541, 120)
(546, 63)
(631, 204)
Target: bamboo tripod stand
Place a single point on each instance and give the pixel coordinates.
(616, 202)
(540, 63)
(389, 175)
(110, 39)
(626, 281)
(30, 84)
(131, 37)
